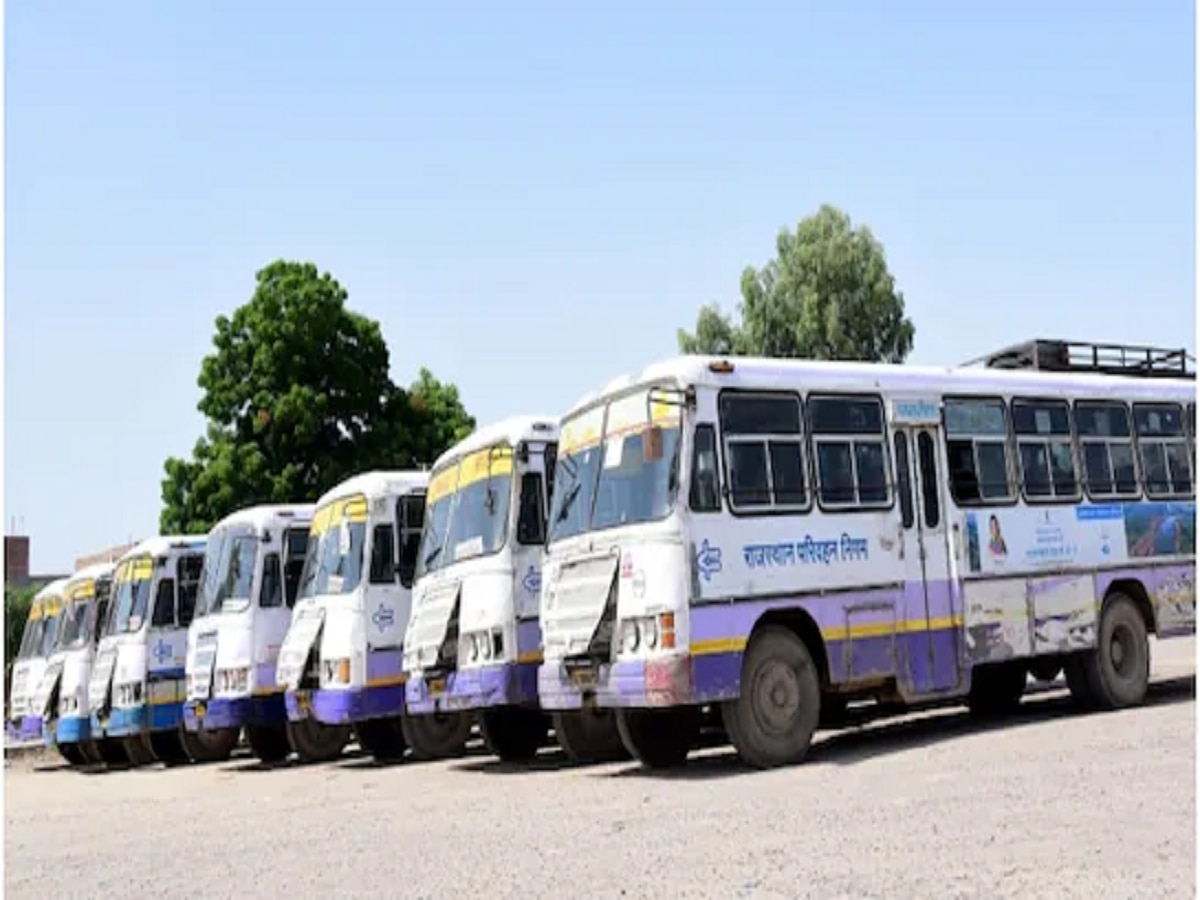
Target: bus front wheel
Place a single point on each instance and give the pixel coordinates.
(514, 734)
(268, 743)
(72, 753)
(660, 738)
(382, 738)
(589, 735)
(437, 735)
(772, 721)
(316, 742)
(209, 746)
(139, 750)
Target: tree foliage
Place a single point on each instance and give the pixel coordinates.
(17, 602)
(827, 294)
(297, 397)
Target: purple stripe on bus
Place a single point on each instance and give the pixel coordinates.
(385, 663)
(507, 684)
(264, 676)
(344, 707)
(29, 728)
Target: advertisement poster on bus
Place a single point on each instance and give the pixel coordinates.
(1051, 537)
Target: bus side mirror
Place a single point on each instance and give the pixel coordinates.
(652, 443)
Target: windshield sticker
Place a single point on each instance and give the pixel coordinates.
(708, 560)
(335, 584)
(808, 551)
(470, 547)
(344, 539)
(614, 449)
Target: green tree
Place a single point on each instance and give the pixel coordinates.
(827, 294)
(297, 397)
(16, 610)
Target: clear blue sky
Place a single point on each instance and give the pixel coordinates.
(531, 198)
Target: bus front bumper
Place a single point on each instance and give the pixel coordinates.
(478, 687)
(221, 713)
(67, 730)
(26, 728)
(635, 684)
(126, 721)
(345, 706)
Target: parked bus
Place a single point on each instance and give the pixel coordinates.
(63, 693)
(37, 640)
(473, 641)
(779, 536)
(137, 687)
(340, 663)
(248, 587)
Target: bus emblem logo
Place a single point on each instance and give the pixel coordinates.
(383, 617)
(708, 560)
(162, 650)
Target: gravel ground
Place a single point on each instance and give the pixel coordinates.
(1050, 804)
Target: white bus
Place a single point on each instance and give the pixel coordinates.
(248, 587)
(775, 537)
(473, 641)
(62, 694)
(37, 640)
(136, 691)
(340, 663)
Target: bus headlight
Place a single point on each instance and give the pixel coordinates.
(484, 645)
(651, 632)
(335, 671)
(129, 694)
(235, 680)
(630, 636)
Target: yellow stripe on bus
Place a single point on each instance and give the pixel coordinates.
(140, 568)
(873, 629)
(80, 590)
(352, 509)
(491, 461)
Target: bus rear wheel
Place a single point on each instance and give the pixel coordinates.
(1116, 673)
(268, 743)
(589, 735)
(112, 752)
(382, 738)
(514, 734)
(772, 721)
(316, 742)
(660, 738)
(209, 746)
(437, 735)
(90, 751)
(72, 753)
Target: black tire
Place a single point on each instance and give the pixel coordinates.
(72, 753)
(589, 735)
(1077, 682)
(316, 742)
(268, 743)
(834, 708)
(996, 690)
(437, 735)
(515, 734)
(772, 721)
(209, 746)
(659, 738)
(139, 750)
(382, 738)
(1118, 669)
(90, 751)
(168, 747)
(112, 752)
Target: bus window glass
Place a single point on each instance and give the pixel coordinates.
(295, 544)
(383, 555)
(848, 437)
(977, 450)
(1043, 430)
(270, 591)
(704, 494)
(904, 480)
(763, 450)
(1106, 444)
(531, 518)
(163, 614)
(1162, 449)
(410, 515)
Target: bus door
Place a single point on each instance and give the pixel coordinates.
(933, 638)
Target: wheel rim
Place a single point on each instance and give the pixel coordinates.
(1121, 652)
(777, 696)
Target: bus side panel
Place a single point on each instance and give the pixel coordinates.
(1170, 589)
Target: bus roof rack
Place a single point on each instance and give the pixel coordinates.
(1082, 356)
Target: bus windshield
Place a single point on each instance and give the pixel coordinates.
(618, 464)
(333, 563)
(49, 631)
(467, 508)
(73, 632)
(130, 596)
(31, 639)
(228, 571)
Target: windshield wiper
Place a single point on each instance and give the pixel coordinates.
(567, 501)
(432, 555)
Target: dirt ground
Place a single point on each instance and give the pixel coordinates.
(1048, 804)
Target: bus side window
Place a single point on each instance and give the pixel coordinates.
(188, 569)
(531, 518)
(270, 593)
(1044, 449)
(904, 480)
(1106, 448)
(764, 451)
(164, 605)
(851, 450)
(977, 451)
(410, 516)
(295, 548)
(1162, 449)
(929, 485)
(383, 555)
(704, 495)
